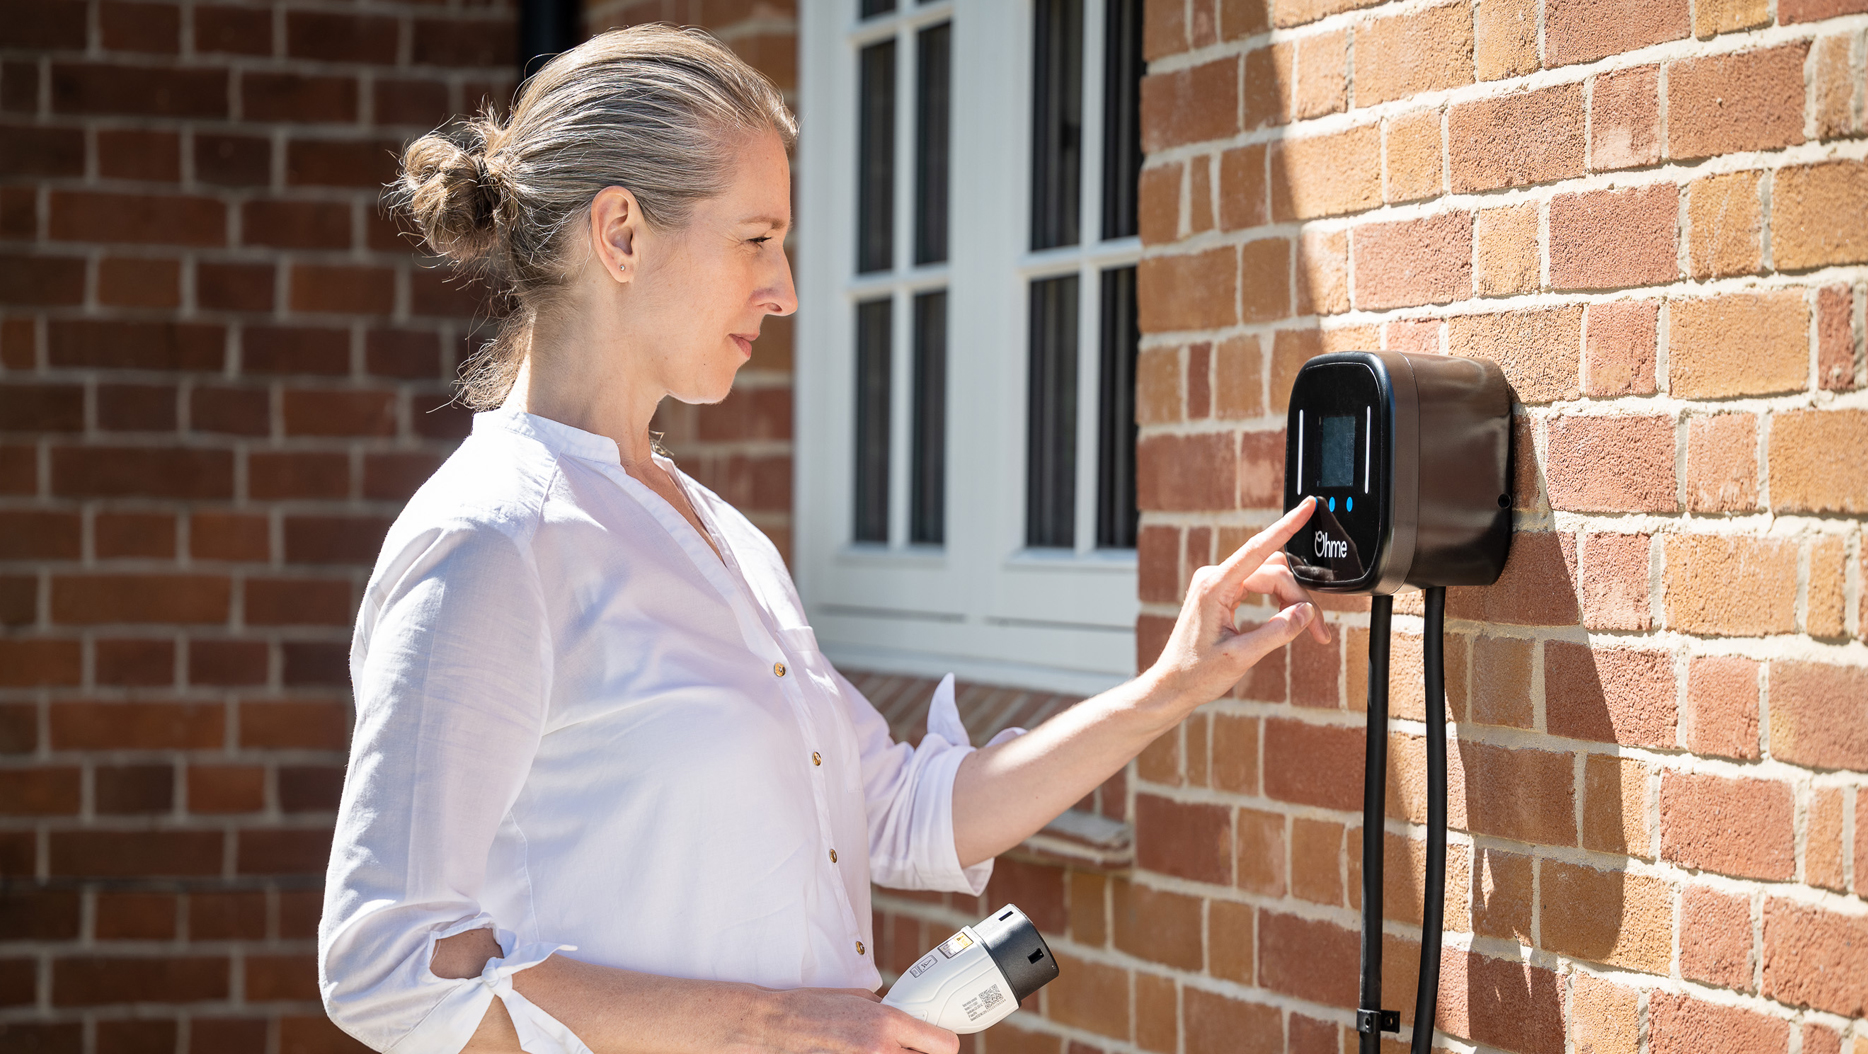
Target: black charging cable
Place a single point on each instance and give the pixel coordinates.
(1371, 1019)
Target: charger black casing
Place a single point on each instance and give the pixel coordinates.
(1428, 502)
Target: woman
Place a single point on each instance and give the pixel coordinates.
(605, 793)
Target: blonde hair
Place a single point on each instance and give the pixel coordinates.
(655, 109)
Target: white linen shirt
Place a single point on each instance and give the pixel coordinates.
(579, 727)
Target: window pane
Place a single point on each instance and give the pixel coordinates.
(1122, 100)
(1116, 516)
(875, 160)
(933, 64)
(877, 7)
(1056, 122)
(1051, 416)
(873, 321)
(927, 515)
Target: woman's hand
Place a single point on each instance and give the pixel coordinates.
(842, 1021)
(1207, 653)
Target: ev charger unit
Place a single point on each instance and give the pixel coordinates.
(976, 977)
(1409, 458)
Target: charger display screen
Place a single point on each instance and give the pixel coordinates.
(1337, 467)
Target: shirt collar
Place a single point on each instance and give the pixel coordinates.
(556, 436)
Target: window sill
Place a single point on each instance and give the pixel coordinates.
(1083, 841)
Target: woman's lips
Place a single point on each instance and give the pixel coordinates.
(745, 344)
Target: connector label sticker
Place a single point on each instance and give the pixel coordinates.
(982, 1004)
(921, 967)
(956, 944)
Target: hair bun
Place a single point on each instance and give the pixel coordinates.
(450, 193)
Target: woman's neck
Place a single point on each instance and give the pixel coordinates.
(578, 379)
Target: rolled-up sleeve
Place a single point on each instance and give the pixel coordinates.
(452, 668)
(908, 794)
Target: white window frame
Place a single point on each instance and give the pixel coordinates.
(982, 605)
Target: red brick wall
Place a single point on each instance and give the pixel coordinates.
(1652, 214)
(221, 372)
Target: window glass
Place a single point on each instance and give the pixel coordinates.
(932, 71)
(1116, 515)
(873, 324)
(928, 489)
(1122, 132)
(1051, 416)
(1056, 122)
(875, 162)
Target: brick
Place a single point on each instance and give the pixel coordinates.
(1820, 1040)
(1323, 273)
(1826, 607)
(1187, 472)
(39, 791)
(1309, 959)
(1215, 1024)
(1287, 13)
(91, 216)
(414, 103)
(42, 408)
(343, 289)
(88, 344)
(1584, 30)
(458, 41)
(1327, 175)
(298, 602)
(1235, 753)
(1307, 764)
(395, 477)
(39, 915)
(1712, 17)
(339, 412)
(1412, 166)
(173, 979)
(1157, 925)
(1715, 938)
(1614, 239)
(136, 725)
(340, 163)
(1835, 338)
(1823, 857)
(1730, 586)
(1413, 262)
(1195, 291)
(1615, 582)
(138, 91)
(224, 789)
(1239, 373)
(44, 280)
(1516, 140)
(1504, 35)
(133, 534)
(1158, 210)
(1738, 344)
(1615, 792)
(136, 407)
(1790, 11)
(1722, 463)
(1312, 75)
(227, 663)
(152, 28)
(1740, 827)
(1231, 940)
(1424, 51)
(47, 26)
(1814, 957)
(1805, 200)
(234, 287)
(340, 38)
(1680, 1023)
(286, 851)
(1832, 86)
(1265, 280)
(316, 788)
(1501, 894)
(1525, 795)
(1505, 251)
(296, 225)
(139, 283)
(149, 156)
(1537, 587)
(1315, 672)
(1090, 996)
(1192, 841)
(1811, 464)
(1501, 1002)
(32, 663)
(267, 349)
(1540, 349)
(320, 663)
(1624, 119)
(1722, 707)
(97, 599)
(1724, 104)
(1609, 917)
(1611, 464)
(134, 663)
(133, 789)
(1317, 860)
(236, 30)
(334, 539)
(1727, 226)
(31, 534)
(1501, 681)
(1609, 695)
(232, 411)
(1811, 704)
(1190, 106)
(1604, 1016)
(298, 474)
(139, 854)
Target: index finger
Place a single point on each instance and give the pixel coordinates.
(1233, 572)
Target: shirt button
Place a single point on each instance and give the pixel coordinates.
(833, 856)
(859, 947)
(816, 758)
(778, 668)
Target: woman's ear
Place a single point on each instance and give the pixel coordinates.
(616, 232)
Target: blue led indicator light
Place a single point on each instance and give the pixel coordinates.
(1349, 504)
(1332, 504)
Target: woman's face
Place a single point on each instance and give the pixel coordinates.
(705, 289)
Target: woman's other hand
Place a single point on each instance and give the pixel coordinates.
(1208, 653)
(842, 1021)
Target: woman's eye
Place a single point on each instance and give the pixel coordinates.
(762, 239)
